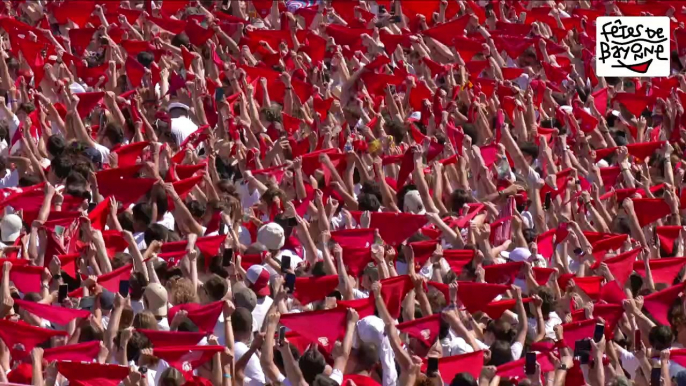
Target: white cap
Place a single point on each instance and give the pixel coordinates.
(177, 105)
(370, 329)
(412, 203)
(76, 88)
(10, 227)
(517, 254)
(271, 235)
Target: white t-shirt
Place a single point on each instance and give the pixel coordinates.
(248, 198)
(10, 180)
(254, 376)
(181, 128)
(553, 320)
(260, 312)
(104, 153)
(167, 221)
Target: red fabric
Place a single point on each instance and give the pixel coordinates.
(589, 284)
(471, 363)
(179, 356)
(81, 352)
(205, 317)
(57, 315)
(406, 168)
(310, 289)
(356, 259)
(134, 71)
(425, 329)
(496, 309)
(109, 281)
(26, 278)
(663, 270)
(575, 331)
(172, 338)
(80, 39)
(502, 273)
(393, 291)
(649, 210)
(330, 324)
(445, 32)
(668, 235)
(474, 296)
(634, 103)
(458, 258)
(92, 374)
(612, 293)
(643, 150)
(658, 303)
(394, 228)
(353, 237)
(128, 155)
(515, 369)
(423, 250)
(364, 306)
(171, 25)
(13, 334)
(98, 216)
(610, 313)
(621, 265)
(612, 243)
(88, 101)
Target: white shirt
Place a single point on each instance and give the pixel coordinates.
(260, 312)
(253, 371)
(248, 198)
(553, 320)
(104, 153)
(167, 221)
(163, 325)
(10, 180)
(181, 128)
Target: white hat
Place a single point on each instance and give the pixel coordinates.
(10, 227)
(413, 202)
(370, 329)
(177, 105)
(271, 235)
(517, 254)
(76, 88)
(258, 277)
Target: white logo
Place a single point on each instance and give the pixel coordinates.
(426, 334)
(324, 341)
(634, 46)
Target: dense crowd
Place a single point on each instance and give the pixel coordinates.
(337, 192)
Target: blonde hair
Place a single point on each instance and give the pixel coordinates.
(145, 320)
(182, 292)
(171, 377)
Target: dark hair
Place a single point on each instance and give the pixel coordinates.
(114, 133)
(311, 363)
(145, 58)
(529, 149)
(142, 212)
(367, 201)
(196, 208)
(371, 187)
(160, 197)
(660, 337)
(463, 379)
(458, 198)
(90, 334)
(62, 166)
(548, 298)
(216, 287)
(367, 355)
(241, 320)
(181, 40)
(156, 232)
(501, 353)
(137, 284)
(55, 145)
(501, 329)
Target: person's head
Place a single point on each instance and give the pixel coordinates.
(177, 110)
(112, 135)
(272, 236)
(55, 146)
(197, 209)
(548, 298)
(157, 232)
(257, 279)
(463, 379)
(142, 216)
(89, 333)
(145, 320)
(368, 202)
(171, 377)
(241, 322)
(312, 363)
(366, 356)
(10, 228)
(529, 151)
(458, 198)
(181, 291)
(215, 288)
(60, 167)
(369, 276)
(412, 203)
(145, 58)
(660, 337)
(501, 353)
(498, 330)
(155, 299)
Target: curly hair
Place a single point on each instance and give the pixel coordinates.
(182, 292)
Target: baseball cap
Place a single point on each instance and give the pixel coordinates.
(245, 298)
(107, 300)
(22, 374)
(258, 277)
(155, 296)
(10, 227)
(177, 105)
(517, 254)
(413, 203)
(272, 236)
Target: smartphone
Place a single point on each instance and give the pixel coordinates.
(227, 257)
(285, 263)
(395, 19)
(92, 205)
(382, 9)
(87, 302)
(655, 376)
(124, 288)
(530, 364)
(62, 294)
(282, 335)
(637, 338)
(290, 282)
(599, 332)
(431, 366)
(548, 200)
(639, 176)
(582, 350)
(219, 94)
(59, 230)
